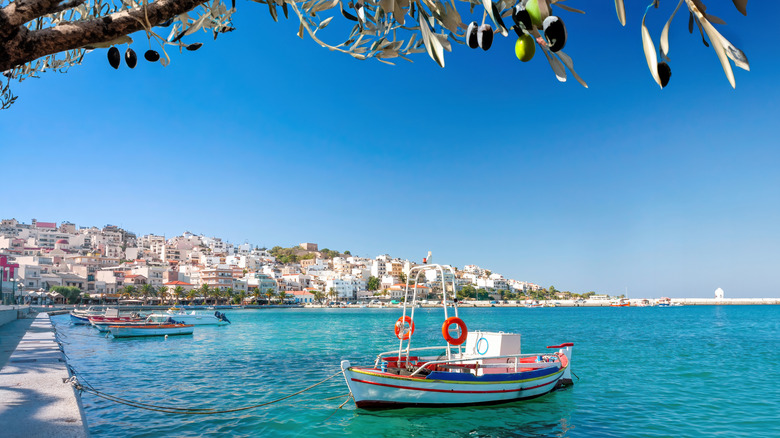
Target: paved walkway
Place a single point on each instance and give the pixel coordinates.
(34, 401)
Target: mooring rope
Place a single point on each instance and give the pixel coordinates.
(189, 411)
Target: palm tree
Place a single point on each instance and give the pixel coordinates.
(216, 293)
(128, 291)
(204, 291)
(162, 292)
(318, 295)
(228, 293)
(146, 291)
(282, 296)
(192, 294)
(332, 293)
(270, 294)
(178, 291)
(256, 294)
(241, 296)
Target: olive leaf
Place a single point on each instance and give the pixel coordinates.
(649, 48)
(568, 8)
(621, 11)
(555, 63)
(723, 48)
(665, 34)
(570, 65)
(324, 6)
(741, 6)
(432, 44)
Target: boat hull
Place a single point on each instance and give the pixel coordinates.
(374, 389)
(193, 319)
(79, 320)
(150, 330)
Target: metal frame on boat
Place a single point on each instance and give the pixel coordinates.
(472, 368)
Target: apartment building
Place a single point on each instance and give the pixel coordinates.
(220, 276)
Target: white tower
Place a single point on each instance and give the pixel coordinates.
(718, 294)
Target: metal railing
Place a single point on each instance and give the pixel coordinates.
(551, 359)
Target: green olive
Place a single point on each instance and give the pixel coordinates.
(525, 48)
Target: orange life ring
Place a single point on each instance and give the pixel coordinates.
(400, 325)
(445, 330)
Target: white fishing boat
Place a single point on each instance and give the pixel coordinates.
(81, 316)
(193, 317)
(473, 368)
(133, 330)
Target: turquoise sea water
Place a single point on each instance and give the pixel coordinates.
(643, 372)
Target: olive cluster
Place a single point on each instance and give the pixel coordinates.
(528, 19)
(114, 58)
(479, 36)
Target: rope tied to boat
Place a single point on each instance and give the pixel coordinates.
(189, 411)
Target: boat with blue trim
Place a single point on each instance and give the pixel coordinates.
(473, 368)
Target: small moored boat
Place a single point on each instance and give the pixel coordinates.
(194, 318)
(474, 367)
(127, 331)
(81, 316)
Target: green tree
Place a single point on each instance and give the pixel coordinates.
(332, 294)
(256, 294)
(128, 291)
(282, 296)
(146, 291)
(191, 294)
(71, 294)
(318, 295)
(467, 292)
(162, 292)
(228, 294)
(402, 278)
(373, 283)
(205, 292)
(178, 292)
(269, 293)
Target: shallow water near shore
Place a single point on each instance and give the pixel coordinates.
(678, 371)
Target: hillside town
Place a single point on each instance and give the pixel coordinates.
(41, 260)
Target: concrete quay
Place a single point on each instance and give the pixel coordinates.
(35, 401)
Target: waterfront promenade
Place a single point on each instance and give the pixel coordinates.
(35, 401)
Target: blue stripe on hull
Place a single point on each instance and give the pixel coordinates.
(500, 377)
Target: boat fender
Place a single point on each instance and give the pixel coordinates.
(445, 330)
(400, 328)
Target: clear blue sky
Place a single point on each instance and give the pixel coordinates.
(263, 137)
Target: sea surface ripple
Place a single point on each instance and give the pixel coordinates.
(640, 372)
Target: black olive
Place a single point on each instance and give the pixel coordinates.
(152, 56)
(130, 59)
(554, 33)
(195, 46)
(471, 35)
(664, 73)
(522, 19)
(113, 57)
(485, 36)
